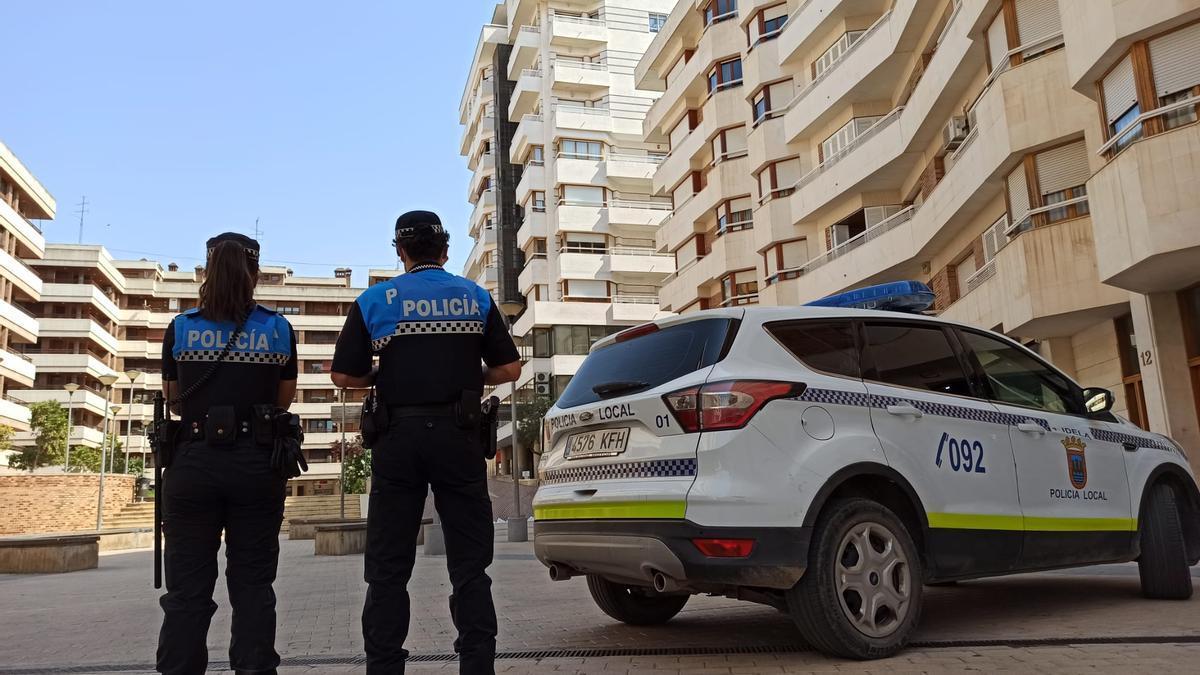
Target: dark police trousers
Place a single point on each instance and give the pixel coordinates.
(208, 489)
(415, 453)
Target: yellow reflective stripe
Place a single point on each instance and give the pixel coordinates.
(603, 510)
(971, 521)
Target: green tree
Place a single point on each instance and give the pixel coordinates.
(356, 464)
(48, 421)
(85, 459)
(529, 422)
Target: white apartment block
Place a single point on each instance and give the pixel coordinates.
(102, 316)
(22, 200)
(1034, 161)
(564, 219)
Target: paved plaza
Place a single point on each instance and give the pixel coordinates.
(106, 620)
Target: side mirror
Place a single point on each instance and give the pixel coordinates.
(1097, 400)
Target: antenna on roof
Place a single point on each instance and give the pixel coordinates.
(257, 230)
(81, 209)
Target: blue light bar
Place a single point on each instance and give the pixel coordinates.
(898, 296)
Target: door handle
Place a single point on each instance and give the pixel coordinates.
(1129, 447)
(1031, 428)
(905, 410)
(586, 493)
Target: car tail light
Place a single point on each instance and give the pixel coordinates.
(724, 548)
(725, 405)
(636, 332)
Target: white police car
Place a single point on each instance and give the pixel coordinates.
(830, 461)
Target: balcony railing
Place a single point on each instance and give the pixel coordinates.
(581, 65)
(531, 72)
(582, 20)
(1134, 129)
(646, 251)
(651, 204)
(1010, 234)
(625, 157)
(746, 299)
(581, 109)
(635, 299)
(981, 275)
(536, 30)
(902, 216)
(838, 61)
(867, 134)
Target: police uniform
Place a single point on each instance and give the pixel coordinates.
(213, 486)
(430, 330)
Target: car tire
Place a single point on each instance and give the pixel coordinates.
(1162, 564)
(634, 605)
(828, 603)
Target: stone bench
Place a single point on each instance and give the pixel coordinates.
(42, 554)
(127, 538)
(306, 528)
(344, 538)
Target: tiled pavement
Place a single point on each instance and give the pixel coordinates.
(109, 616)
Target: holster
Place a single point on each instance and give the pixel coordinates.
(468, 410)
(489, 426)
(221, 425)
(167, 432)
(374, 421)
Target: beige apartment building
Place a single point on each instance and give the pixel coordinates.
(102, 316)
(22, 201)
(1034, 161)
(564, 221)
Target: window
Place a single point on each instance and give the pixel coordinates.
(652, 359)
(569, 340)
(825, 346)
(719, 10)
(725, 75)
(734, 215)
(918, 357)
(760, 105)
(287, 309)
(739, 288)
(657, 21)
(537, 156)
(539, 201)
(1179, 116)
(572, 149)
(1062, 174)
(593, 247)
(1014, 376)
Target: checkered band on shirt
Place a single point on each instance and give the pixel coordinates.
(430, 328)
(864, 400)
(233, 357)
(663, 468)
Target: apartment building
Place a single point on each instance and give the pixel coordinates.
(564, 221)
(22, 201)
(102, 316)
(1034, 161)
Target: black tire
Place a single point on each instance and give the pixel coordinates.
(824, 614)
(634, 605)
(1163, 562)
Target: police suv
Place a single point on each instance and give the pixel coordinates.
(830, 461)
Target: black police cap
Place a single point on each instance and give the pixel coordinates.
(415, 223)
(250, 245)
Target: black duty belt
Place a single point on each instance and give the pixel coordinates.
(194, 431)
(442, 410)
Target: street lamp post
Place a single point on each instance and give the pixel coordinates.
(518, 527)
(108, 381)
(71, 388)
(342, 468)
(133, 374)
(114, 433)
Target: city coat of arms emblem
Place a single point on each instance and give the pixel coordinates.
(1076, 461)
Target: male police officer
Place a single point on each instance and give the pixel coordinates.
(431, 330)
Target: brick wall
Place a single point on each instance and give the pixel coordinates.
(59, 503)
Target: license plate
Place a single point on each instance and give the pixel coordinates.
(603, 443)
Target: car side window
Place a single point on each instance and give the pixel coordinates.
(1016, 377)
(827, 346)
(919, 357)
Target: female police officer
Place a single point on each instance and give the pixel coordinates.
(229, 370)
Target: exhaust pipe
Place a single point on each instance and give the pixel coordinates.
(561, 572)
(665, 584)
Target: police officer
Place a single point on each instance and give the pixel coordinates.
(229, 369)
(431, 330)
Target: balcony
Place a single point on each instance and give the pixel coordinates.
(63, 362)
(26, 232)
(727, 180)
(484, 243)
(536, 271)
(638, 211)
(475, 133)
(477, 178)
(526, 94)
(689, 88)
(697, 278)
(579, 169)
(78, 328)
(25, 279)
(14, 414)
(581, 75)
(631, 167)
(484, 205)
(1044, 283)
(581, 118)
(573, 31)
(629, 264)
(530, 131)
(83, 399)
(525, 50)
(533, 226)
(694, 152)
(22, 324)
(18, 368)
(1146, 212)
(82, 294)
(533, 177)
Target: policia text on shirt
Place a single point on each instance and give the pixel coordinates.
(431, 331)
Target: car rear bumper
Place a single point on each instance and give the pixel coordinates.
(632, 551)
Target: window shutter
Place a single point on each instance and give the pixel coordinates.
(1175, 59)
(993, 238)
(1062, 168)
(1120, 91)
(1037, 19)
(1018, 194)
(795, 253)
(997, 41)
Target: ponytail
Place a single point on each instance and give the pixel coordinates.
(227, 293)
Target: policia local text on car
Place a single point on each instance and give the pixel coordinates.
(229, 371)
(431, 330)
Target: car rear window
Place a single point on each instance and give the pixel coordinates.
(827, 346)
(650, 360)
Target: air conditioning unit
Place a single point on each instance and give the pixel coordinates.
(542, 388)
(541, 378)
(954, 133)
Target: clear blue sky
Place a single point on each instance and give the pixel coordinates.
(180, 120)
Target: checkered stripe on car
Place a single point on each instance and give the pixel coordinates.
(662, 468)
(1139, 441)
(233, 357)
(864, 400)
